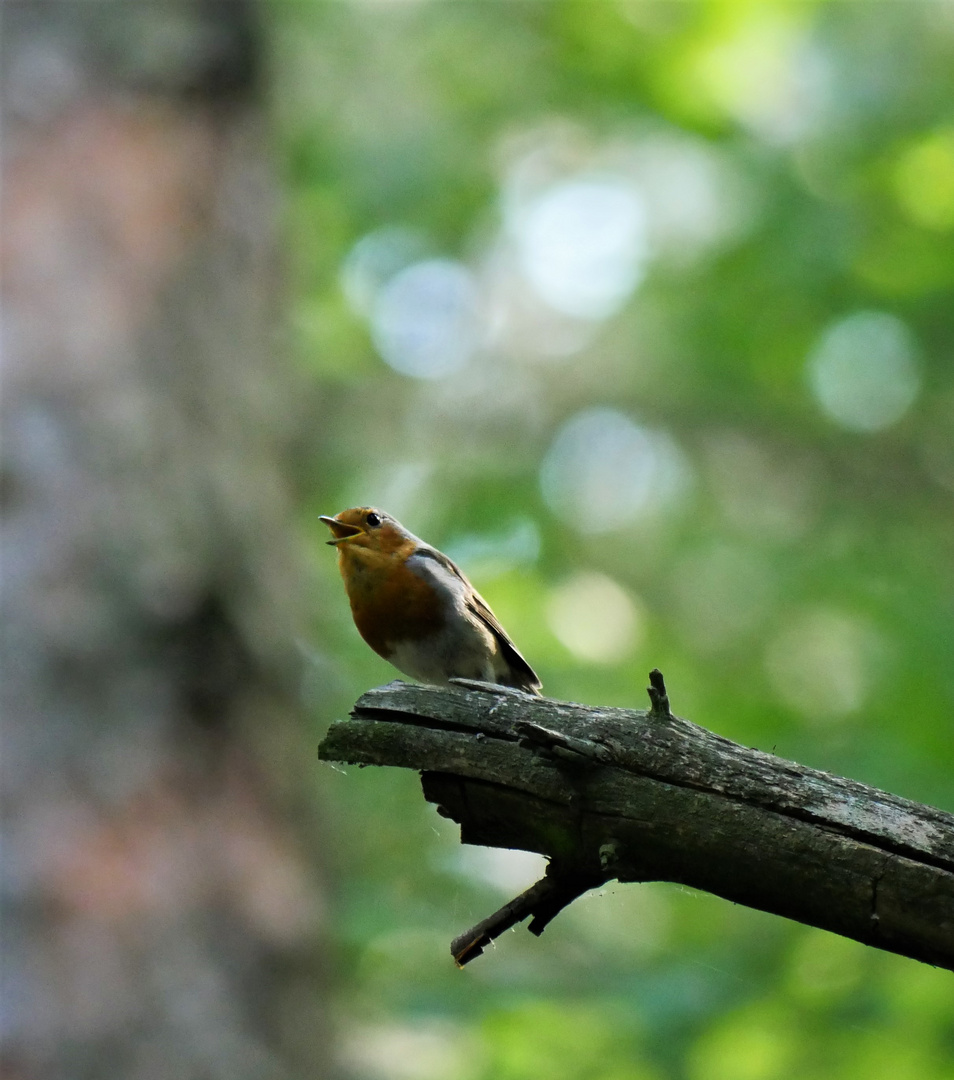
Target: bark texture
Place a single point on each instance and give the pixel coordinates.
(162, 900)
(645, 796)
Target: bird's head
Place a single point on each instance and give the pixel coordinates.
(366, 528)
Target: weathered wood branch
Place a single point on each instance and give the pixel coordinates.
(646, 796)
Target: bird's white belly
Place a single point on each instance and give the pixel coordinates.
(463, 651)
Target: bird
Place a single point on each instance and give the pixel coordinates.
(415, 608)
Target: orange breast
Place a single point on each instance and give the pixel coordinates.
(388, 601)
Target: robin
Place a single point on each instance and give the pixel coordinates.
(415, 608)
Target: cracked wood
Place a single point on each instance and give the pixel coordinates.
(639, 796)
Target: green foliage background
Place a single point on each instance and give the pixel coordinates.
(798, 551)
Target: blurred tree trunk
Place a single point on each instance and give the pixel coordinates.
(162, 904)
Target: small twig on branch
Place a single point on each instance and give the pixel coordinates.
(559, 745)
(543, 901)
(658, 697)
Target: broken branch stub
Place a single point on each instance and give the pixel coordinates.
(644, 795)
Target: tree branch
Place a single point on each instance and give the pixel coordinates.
(646, 796)
(543, 901)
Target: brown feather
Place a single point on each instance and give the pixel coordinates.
(524, 675)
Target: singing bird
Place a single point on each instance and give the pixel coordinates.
(415, 607)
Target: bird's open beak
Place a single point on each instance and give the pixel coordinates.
(342, 531)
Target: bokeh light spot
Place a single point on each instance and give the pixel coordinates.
(374, 260)
(924, 181)
(761, 69)
(595, 618)
(694, 198)
(582, 244)
(424, 321)
(822, 664)
(603, 471)
(864, 371)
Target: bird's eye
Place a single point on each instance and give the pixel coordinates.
(373, 520)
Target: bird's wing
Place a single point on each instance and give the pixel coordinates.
(478, 606)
